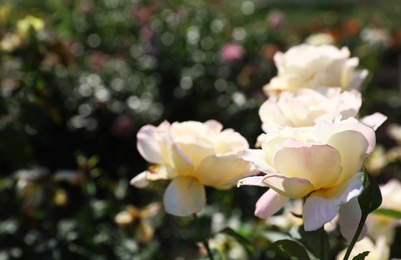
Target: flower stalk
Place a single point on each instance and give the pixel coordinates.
(356, 235)
(204, 240)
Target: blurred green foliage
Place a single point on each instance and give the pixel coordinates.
(79, 78)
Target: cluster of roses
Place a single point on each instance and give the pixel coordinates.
(313, 146)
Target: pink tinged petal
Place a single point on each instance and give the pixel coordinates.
(269, 203)
(257, 157)
(349, 218)
(184, 196)
(375, 120)
(139, 181)
(181, 162)
(318, 163)
(325, 130)
(223, 172)
(293, 188)
(214, 126)
(323, 205)
(149, 144)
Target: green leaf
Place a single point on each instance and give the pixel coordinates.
(289, 249)
(371, 197)
(361, 256)
(93, 161)
(312, 240)
(388, 212)
(241, 239)
(273, 236)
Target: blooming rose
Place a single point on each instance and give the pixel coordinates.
(381, 225)
(193, 155)
(321, 163)
(307, 66)
(306, 107)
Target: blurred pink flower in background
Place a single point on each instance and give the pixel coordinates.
(276, 19)
(123, 126)
(97, 60)
(231, 52)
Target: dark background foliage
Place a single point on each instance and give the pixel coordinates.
(76, 89)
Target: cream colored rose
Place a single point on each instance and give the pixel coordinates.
(193, 155)
(320, 163)
(307, 66)
(306, 107)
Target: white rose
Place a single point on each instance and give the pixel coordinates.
(306, 107)
(307, 66)
(193, 155)
(321, 163)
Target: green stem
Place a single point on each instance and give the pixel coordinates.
(356, 235)
(204, 241)
(322, 246)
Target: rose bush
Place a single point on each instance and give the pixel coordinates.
(193, 155)
(320, 163)
(307, 66)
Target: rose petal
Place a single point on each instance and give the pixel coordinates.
(214, 126)
(184, 196)
(318, 163)
(149, 144)
(293, 188)
(343, 135)
(252, 181)
(349, 218)
(157, 172)
(191, 155)
(269, 203)
(139, 181)
(323, 205)
(181, 162)
(351, 159)
(374, 120)
(257, 157)
(223, 172)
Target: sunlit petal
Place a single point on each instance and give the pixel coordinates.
(318, 163)
(149, 145)
(269, 203)
(257, 157)
(293, 188)
(184, 196)
(223, 171)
